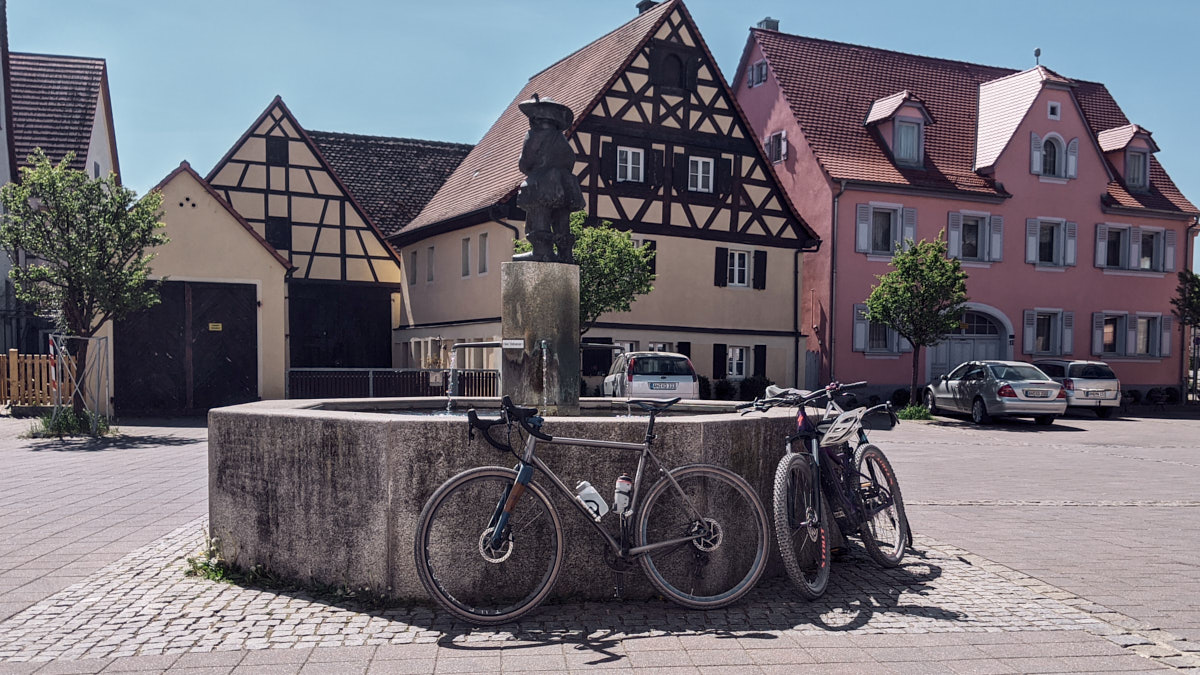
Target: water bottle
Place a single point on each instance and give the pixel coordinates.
(587, 495)
(621, 494)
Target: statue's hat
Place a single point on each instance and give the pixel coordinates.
(544, 108)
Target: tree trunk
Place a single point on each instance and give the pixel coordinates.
(912, 391)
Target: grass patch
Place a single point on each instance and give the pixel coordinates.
(914, 412)
(68, 423)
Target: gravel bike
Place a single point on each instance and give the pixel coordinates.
(837, 473)
(489, 542)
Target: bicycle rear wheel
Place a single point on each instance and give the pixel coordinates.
(726, 548)
(801, 527)
(456, 562)
(885, 532)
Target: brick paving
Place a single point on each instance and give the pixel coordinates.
(1063, 551)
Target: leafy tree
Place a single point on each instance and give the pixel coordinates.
(86, 245)
(922, 298)
(612, 270)
(1187, 299)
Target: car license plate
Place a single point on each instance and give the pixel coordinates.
(1037, 393)
(1093, 394)
(662, 385)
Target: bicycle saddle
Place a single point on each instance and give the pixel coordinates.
(655, 406)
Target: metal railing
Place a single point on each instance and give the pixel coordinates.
(388, 382)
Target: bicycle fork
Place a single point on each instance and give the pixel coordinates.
(508, 502)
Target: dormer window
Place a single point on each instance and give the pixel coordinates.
(900, 120)
(1137, 164)
(907, 146)
(1054, 110)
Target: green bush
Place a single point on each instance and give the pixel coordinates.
(914, 412)
(705, 387)
(724, 390)
(752, 388)
(67, 423)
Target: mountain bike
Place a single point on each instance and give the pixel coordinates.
(489, 543)
(837, 473)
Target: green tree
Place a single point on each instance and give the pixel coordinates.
(922, 298)
(613, 271)
(1187, 299)
(86, 246)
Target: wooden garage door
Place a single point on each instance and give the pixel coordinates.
(197, 349)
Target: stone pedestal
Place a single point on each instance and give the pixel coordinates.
(540, 302)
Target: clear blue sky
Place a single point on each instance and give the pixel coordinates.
(188, 78)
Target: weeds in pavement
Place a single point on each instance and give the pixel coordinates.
(914, 412)
(67, 423)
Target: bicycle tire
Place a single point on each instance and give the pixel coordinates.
(885, 534)
(452, 557)
(734, 551)
(805, 550)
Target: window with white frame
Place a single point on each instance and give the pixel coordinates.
(483, 253)
(1141, 334)
(1048, 332)
(1117, 247)
(1052, 152)
(1053, 157)
(429, 264)
(757, 74)
(1150, 250)
(626, 345)
(630, 163)
(776, 147)
(739, 268)
(466, 257)
(1137, 169)
(700, 174)
(1112, 336)
(878, 338)
(907, 146)
(659, 347)
(974, 238)
(412, 268)
(1054, 110)
(1139, 248)
(873, 337)
(735, 359)
(1050, 242)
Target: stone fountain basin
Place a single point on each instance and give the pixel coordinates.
(328, 492)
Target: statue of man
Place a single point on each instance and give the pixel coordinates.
(550, 191)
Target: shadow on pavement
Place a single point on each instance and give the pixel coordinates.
(1008, 424)
(112, 443)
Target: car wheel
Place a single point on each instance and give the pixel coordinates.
(930, 402)
(979, 413)
(1104, 413)
(1044, 420)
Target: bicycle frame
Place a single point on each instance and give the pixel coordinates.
(530, 461)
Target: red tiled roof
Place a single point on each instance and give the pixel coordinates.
(1116, 139)
(392, 178)
(830, 86)
(489, 173)
(54, 102)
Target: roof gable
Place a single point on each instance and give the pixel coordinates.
(1119, 138)
(1003, 105)
(54, 104)
(277, 179)
(884, 108)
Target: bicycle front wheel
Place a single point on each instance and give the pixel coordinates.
(720, 532)
(885, 532)
(457, 563)
(801, 525)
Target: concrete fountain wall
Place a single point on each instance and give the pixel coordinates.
(329, 492)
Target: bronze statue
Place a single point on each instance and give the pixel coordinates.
(550, 191)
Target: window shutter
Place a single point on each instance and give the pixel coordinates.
(1031, 240)
(954, 235)
(862, 228)
(721, 267)
(684, 348)
(909, 231)
(1135, 247)
(1097, 333)
(653, 246)
(996, 245)
(783, 144)
(1030, 334)
(760, 270)
(1067, 344)
(1131, 335)
(860, 328)
(1073, 158)
(1035, 155)
(608, 162)
(1101, 244)
(724, 169)
(1164, 345)
(679, 173)
(720, 366)
(1071, 246)
(1169, 251)
(691, 67)
(654, 167)
(760, 360)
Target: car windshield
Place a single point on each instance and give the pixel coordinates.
(659, 365)
(1092, 371)
(1021, 372)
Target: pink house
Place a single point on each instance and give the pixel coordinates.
(1069, 228)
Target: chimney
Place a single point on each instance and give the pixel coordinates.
(769, 24)
(645, 5)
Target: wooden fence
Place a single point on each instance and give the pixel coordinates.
(28, 379)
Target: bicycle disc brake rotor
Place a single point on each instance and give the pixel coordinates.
(709, 534)
(813, 527)
(492, 554)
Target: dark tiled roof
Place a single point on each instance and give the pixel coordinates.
(54, 102)
(830, 86)
(392, 178)
(489, 173)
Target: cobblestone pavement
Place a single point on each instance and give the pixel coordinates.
(1089, 525)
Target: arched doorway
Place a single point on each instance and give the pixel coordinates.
(979, 337)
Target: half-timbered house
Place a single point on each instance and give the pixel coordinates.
(664, 152)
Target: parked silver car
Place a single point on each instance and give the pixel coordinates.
(652, 375)
(1089, 384)
(988, 389)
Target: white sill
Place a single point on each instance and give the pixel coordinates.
(879, 257)
(977, 264)
(881, 356)
(1043, 267)
(1053, 179)
(1148, 274)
